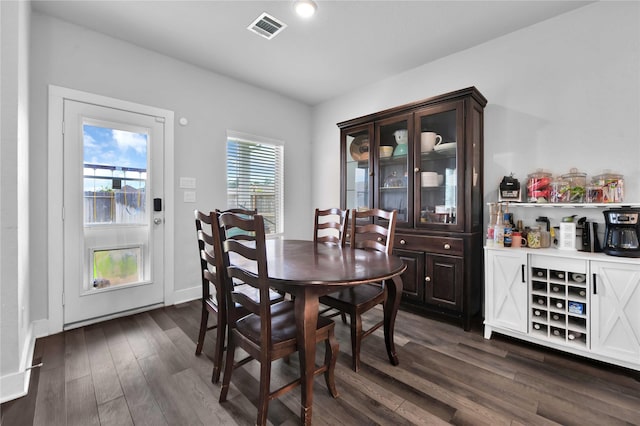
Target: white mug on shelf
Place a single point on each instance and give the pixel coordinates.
(428, 140)
(429, 179)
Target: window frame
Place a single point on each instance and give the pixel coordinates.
(278, 176)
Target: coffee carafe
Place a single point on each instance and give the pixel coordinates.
(622, 232)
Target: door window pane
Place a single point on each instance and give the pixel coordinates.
(116, 267)
(393, 179)
(438, 165)
(115, 175)
(357, 168)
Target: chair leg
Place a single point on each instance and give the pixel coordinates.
(228, 368)
(331, 350)
(204, 318)
(265, 386)
(219, 348)
(344, 317)
(356, 335)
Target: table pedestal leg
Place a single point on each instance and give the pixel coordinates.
(394, 292)
(306, 311)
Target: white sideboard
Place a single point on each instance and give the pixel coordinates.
(587, 304)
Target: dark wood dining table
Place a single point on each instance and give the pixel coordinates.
(307, 270)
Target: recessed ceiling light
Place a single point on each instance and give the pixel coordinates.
(305, 8)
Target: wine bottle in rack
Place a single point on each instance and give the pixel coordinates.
(574, 335)
(559, 304)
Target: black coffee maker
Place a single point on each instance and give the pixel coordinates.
(622, 232)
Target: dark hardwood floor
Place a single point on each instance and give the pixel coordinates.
(142, 370)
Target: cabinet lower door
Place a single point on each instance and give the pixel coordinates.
(443, 282)
(615, 315)
(413, 276)
(506, 289)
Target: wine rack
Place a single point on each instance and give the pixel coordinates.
(558, 301)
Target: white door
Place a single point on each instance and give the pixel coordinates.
(615, 317)
(112, 204)
(506, 290)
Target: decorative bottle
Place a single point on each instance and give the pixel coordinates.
(498, 231)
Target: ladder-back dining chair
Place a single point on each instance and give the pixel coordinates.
(269, 332)
(211, 288)
(330, 226)
(366, 232)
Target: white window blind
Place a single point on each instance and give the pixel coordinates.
(254, 178)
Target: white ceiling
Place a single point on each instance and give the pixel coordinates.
(346, 45)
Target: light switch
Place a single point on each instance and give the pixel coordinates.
(187, 182)
(189, 196)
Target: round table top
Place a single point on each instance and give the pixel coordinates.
(308, 263)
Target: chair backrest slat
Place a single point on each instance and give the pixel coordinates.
(330, 225)
(367, 234)
(242, 213)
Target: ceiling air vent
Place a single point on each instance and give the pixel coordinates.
(267, 26)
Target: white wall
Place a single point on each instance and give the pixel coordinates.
(562, 93)
(16, 342)
(71, 56)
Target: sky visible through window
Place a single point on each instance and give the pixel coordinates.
(115, 149)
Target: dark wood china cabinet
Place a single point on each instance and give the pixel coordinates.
(389, 161)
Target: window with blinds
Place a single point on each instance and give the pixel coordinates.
(254, 178)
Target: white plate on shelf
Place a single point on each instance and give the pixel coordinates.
(445, 146)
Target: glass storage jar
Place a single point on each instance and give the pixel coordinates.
(577, 185)
(594, 193)
(538, 187)
(534, 237)
(612, 185)
(559, 191)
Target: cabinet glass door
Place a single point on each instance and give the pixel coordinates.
(438, 175)
(357, 162)
(392, 184)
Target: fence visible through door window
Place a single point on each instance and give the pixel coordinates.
(115, 194)
(254, 178)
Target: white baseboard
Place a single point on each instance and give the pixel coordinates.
(187, 295)
(15, 385)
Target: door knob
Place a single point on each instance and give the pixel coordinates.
(157, 220)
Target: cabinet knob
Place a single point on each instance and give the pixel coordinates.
(416, 170)
(447, 246)
(403, 242)
(379, 239)
(427, 279)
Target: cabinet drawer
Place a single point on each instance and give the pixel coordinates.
(430, 244)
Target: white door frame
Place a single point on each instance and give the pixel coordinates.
(55, 245)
